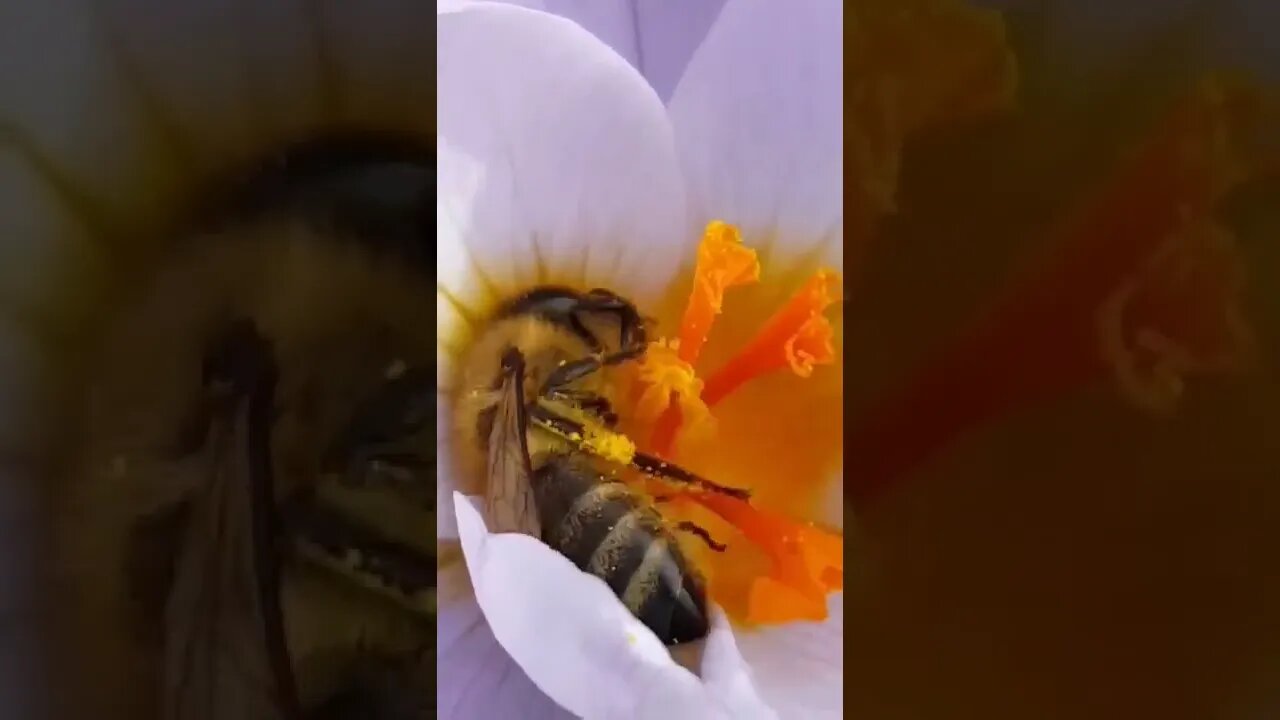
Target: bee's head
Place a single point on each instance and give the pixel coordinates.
(604, 320)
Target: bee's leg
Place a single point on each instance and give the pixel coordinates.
(369, 559)
(670, 472)
(587, 401)
(584, 334)
(380, 445)
(571, 372)
(398, 410)
(695, 529)
(648, 464)
(389, 468)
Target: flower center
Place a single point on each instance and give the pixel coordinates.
(765, 419)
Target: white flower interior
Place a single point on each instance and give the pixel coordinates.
(558, 162)
(117, 112)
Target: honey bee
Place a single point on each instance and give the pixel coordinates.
(246, 529)
(536, 415)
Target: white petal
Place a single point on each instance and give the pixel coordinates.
(555, 161)
(475, 677)
(67, 106)
(727, 674)
(613, 21)
(657, 37)
(669, 34)
(463, 290)
(758, 119)
(799, 668)
(572, 635)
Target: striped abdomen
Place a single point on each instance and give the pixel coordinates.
(606, 531)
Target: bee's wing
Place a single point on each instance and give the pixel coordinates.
(509, 500)
(217, 662)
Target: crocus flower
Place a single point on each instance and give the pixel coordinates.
(721, 215)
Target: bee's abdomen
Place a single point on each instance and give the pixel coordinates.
(606, 531)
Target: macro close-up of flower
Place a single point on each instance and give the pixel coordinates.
(719, 213)
(968, 132)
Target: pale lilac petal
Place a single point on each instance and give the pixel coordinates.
(727, 675)
(799, 668)
(567, 629)
(555, 162)
(758, 118)
(475, 677)
(658, 37)
(613, 21)
(670, 34)
(573, 637)
(465, 294)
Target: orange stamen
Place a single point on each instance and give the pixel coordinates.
(807, 562)
(670, 393)
(798, 337)
(785, 569)
(665, 430)
(723, 262)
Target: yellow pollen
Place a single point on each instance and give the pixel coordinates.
(611, 446)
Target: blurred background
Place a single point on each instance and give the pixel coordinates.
(1076, 559)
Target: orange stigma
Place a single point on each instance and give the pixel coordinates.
(797, 337)
(782, 569)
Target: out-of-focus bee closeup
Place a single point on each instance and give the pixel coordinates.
(538, 430)
(246, 522)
